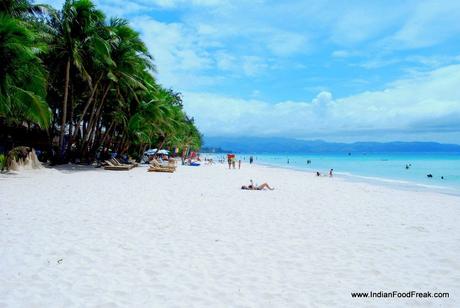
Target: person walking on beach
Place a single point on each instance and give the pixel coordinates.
(239, 164)
(330, 172)
(233, 162)
(229, 160)
(251, 159)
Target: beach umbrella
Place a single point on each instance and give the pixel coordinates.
(154, 151)
(150, 152)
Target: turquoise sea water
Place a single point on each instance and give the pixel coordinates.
(381, 167)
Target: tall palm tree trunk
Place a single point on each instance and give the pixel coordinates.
(89, 134)
(121, 142)
(70, 141)
(88, 103)
(106, 134)
(160, 145)
(64, 108)
(95, 116)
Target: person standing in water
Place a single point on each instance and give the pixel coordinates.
(330, 172)
(251, 159)
(239, 164)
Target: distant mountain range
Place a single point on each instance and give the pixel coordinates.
(286, 145)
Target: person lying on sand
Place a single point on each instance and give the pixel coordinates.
(256, 187)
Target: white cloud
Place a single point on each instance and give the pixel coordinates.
(112, 8)
(284, 43)
(430, 23)
(212, 45)
(341, 54)
(360, 23)
(176, 3)
(253, 66)
(180, 55)
(255, 93)
(433, 61)
(424, 103)
(188, 56)
(225, 61)
(54, 3)
(117, 8)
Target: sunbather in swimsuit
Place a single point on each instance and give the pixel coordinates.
(255, 187)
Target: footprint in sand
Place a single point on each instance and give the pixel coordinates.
(418, 228)
(151, 273)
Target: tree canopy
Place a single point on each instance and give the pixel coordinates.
(86, 80)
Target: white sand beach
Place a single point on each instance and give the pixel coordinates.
(94, 238)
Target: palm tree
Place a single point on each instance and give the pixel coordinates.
(122, 82)
(20, 8)
(73, 28)
(22, 77)
(100, 85)
(126, 81)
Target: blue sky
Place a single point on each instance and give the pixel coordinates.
(332, 70)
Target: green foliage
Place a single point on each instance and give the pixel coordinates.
(22, 76)
(2, 162)
(96, 76)
(17, 8)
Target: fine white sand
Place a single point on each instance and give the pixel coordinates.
(89, 237)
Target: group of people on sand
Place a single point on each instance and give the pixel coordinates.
(193, 159)
(208, 161)
(331, 173)
(231, 160)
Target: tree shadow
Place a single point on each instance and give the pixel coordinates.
(74, 168)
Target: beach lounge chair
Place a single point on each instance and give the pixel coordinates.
(110, 165)
(119, 163)
(133, 162)
(156, 163)
(156, 166)
(160, 169)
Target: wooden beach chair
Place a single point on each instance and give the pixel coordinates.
(119, 163)
(160, 169)
(110, 165)
(157, 164)
(133, 162)
(116, 162)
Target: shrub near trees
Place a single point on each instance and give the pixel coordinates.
(85, 80)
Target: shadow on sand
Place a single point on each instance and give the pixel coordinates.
(72, 168)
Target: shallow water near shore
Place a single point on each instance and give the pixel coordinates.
(382, 168)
